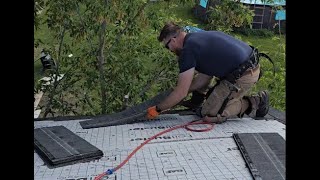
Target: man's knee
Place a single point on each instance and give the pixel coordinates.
(218, 119)
(217, 100)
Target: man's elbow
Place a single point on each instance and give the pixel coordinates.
(181, 93)
(184, 93)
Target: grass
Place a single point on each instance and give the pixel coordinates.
(37, 70)
(46, 37)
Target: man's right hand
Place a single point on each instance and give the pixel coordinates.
(152, 112)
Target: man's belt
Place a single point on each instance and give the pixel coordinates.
(236, 74)
(252, 62)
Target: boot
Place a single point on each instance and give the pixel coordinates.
(258, 104)
(195, 101)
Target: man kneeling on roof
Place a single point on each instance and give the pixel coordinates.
(213, 54)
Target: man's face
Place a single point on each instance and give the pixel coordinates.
(171, 43)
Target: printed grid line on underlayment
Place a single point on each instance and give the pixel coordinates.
(177, 155)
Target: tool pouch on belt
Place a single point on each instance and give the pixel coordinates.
(211, 89)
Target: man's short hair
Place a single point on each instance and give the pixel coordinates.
(169, 29)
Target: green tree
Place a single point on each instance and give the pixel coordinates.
(110, 46)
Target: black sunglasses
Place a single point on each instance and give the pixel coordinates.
(167, 44)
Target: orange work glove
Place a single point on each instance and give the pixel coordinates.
(152, 112)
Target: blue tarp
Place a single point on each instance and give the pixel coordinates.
(203, 3)
(280, 15)
(190, 29)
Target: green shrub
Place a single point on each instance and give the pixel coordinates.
(228, 14)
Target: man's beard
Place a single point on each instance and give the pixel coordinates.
(177, 52)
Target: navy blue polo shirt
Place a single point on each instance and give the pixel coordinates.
(212, 53)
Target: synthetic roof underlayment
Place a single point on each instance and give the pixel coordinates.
(177, 155)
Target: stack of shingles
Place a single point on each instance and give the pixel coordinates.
(130, 115)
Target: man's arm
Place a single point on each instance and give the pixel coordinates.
(200, 82)
(180, 92)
